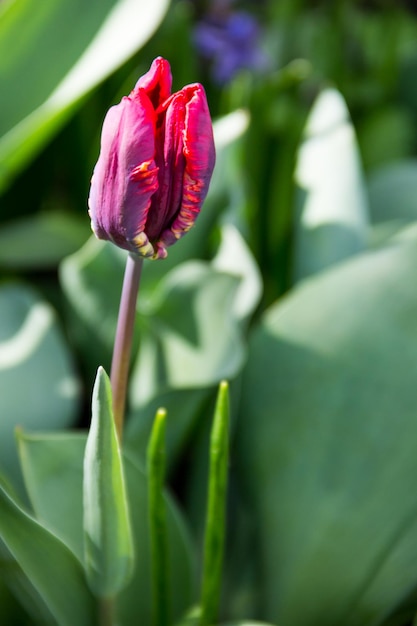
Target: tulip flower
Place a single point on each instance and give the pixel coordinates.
(156, 160)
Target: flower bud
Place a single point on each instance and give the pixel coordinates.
(156, 160)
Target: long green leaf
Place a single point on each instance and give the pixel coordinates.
(216, 509)
(156, 462)
(107, 532)
(88, 42)
(49, 565)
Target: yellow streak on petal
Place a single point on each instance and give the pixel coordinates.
(143, 245)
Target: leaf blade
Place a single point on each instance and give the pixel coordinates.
(50, 566)
(216, 509)
(107, 532)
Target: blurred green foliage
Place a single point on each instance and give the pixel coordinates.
(297, 284)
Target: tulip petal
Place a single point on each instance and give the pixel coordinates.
(156, 82)
(126, 176)
(171, 163)
(199, 153)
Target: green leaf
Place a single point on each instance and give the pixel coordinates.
(181, 566)
(333, 217)
(41, 241)
(186, 407)
(386, 135)
(107, 533)
(245, 624)
(89, 41)
(38, 386)
(51, 568)
(156, 462)
(193, 620)
(234, 257)
(91, 280)
(216, 510)
(326, 443)
(391, 190)
(53, 474)
(193, 339)
(51, 499)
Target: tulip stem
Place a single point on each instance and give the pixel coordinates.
(123, 340)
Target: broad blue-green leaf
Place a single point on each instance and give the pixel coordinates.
(234, 257)
(392, 190)
(193, 339)
(107, 533)
(50, 566)
(41, 241)
(88, 41)
(92, 282)
(332, 220)
(64, 454)
(327, 443)
(38, 387)
(53, 474)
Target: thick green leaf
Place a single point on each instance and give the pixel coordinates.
(50, 566)
(49, 475)
(38, 387)
(88, 42)
(333, 217)
(51, 499)
(193, 339)
(392, 190)
(41, 241)
(211, 299)
(107, 533)
(92, 282)
(327, 443)
(234, 257)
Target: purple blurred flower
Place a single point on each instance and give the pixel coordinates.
(231, 41)
(156, 160)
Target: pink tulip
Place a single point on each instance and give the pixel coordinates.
(156, 160)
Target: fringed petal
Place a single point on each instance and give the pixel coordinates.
(156, 82)
(199, 154)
